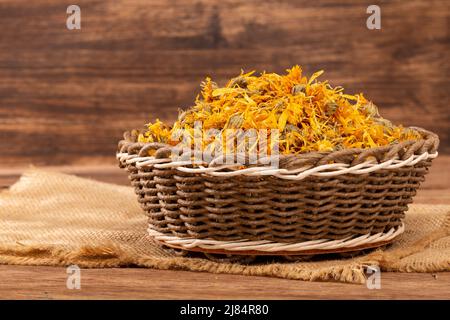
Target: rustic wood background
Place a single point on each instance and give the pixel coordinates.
(66, 96)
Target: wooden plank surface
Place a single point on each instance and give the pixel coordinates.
(67, 96)
(38, 282)
(21, 282)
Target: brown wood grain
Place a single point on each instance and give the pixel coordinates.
(21, 282)
(67, 96)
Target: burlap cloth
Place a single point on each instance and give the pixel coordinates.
(55, 219)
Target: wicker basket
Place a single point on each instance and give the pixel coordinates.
(313, 203)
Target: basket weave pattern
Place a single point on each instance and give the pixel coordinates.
(198, 205)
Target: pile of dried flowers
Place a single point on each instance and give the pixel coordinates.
(310, 114)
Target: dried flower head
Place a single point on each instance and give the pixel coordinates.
(310, 114)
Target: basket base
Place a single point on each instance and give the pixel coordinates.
(284, 253)
(267, 248)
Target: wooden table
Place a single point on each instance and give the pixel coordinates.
(21, 282)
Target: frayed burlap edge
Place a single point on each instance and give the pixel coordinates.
(110, 256)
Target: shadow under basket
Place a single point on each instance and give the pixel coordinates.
(313, 203)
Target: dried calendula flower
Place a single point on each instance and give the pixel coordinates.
(310, 115)
(298, 88)
(239, 81)
(157, 132)
(371, 109)
(331, 108)
(235, 122)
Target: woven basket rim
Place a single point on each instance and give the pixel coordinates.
(354, 156)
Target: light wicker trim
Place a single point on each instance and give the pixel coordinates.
(327, 170)
(274, 247)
